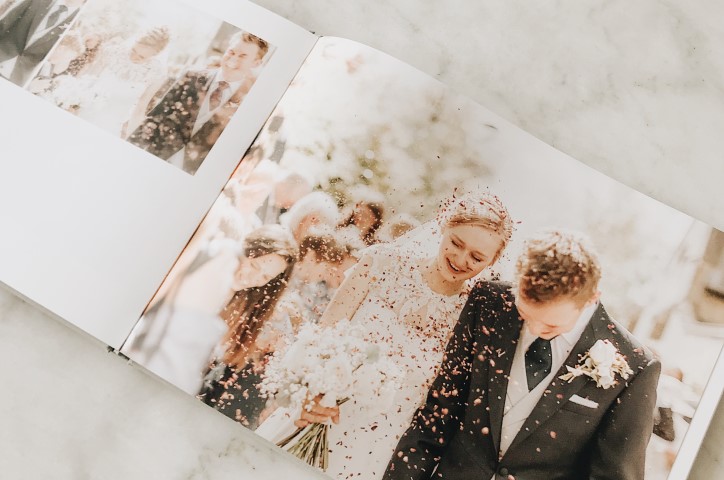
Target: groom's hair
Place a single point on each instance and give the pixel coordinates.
(558, 264)
(247, 37)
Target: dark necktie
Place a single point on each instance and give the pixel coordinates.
(538, 361)
(217, 95)
(55, 16)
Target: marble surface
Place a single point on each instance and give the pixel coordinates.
(634, 90)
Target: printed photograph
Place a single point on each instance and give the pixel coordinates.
(395, 283)
(163, 76)
(29, 29)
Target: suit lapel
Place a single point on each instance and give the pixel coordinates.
(202, 84)
(192, 87)
(35, 24)
(203, 87)
(503, 345)
(559, 391)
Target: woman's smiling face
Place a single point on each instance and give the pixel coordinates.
(466, 250)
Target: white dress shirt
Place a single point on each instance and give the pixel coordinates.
(205, 113)
(519, 402)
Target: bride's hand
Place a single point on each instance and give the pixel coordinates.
(316, 414)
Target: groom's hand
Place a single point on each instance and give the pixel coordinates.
(313, 412)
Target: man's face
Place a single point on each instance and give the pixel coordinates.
(550, 319)
(239, 59)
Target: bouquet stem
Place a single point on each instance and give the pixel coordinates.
(311, 445)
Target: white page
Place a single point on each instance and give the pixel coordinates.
(91, 223)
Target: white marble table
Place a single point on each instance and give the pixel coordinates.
(635, 90)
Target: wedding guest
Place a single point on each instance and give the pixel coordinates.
(675, 406)
(177, 334)
(398, 226)
(325, 256)
(316, 208)
(231, 384)
(125, 77)
(28, 31)
(253, 156)
(288, 190)
(367, 217)
(231, 216)
(185, 123)
(255, 178)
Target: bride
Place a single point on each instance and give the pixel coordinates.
(406, 296)
(126, 76)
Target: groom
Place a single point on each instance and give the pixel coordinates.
(188, 117)
(499, 409)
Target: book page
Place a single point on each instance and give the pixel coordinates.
(122, 122)
(372, 208)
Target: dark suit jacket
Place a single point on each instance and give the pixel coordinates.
(169, 124)
(457, 432)
(16, 31)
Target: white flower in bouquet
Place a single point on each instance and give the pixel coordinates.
(319, 362)
(337, 375)
(73, 92)
(334, 364)
(375, 385)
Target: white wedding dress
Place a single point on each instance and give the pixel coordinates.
(117, 88)
(409, 321)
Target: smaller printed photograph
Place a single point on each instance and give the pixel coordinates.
(29, 29)
(166, 78)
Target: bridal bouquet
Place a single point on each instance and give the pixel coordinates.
(335, 364)
(72, 93)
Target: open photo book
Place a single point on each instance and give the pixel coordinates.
(331, 248)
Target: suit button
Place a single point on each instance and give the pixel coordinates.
(503, 471)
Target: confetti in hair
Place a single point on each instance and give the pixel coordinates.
(478, 208)
(558, 264)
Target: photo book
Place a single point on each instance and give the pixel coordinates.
(334, 250)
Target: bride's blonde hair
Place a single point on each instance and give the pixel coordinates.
(482, 209)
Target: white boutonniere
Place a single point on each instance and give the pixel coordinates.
(601, 363)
